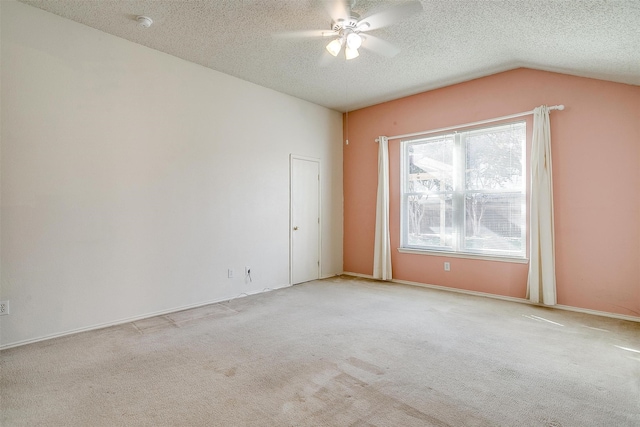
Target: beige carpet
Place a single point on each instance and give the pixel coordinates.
(337, 352)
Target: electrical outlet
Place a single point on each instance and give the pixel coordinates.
(447, 266)
(4, 307)
(230, 273)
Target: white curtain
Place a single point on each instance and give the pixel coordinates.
(382, 246)
(541, 286)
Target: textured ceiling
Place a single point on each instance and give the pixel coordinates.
(450, 42)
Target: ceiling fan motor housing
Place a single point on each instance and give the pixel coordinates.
(350, 23)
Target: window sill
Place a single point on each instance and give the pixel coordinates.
(464, 255)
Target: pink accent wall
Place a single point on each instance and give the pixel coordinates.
(596, 167)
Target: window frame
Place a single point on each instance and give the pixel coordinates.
(458, 195)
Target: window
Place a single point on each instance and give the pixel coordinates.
(465, 192)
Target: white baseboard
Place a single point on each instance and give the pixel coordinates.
(366, 276)
(597, 312)
(505, 298)
(132, 319)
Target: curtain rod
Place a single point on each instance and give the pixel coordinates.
(481, 122)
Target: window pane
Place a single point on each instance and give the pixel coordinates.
(494, 158)
(465, 192)
(429, 220)
(494, 223)
(431, 165)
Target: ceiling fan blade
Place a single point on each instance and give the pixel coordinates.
(391, 16)
(379, 46)
(304, 34)
(337, 9)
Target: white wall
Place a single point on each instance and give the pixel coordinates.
(131, 180)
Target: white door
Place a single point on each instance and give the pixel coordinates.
(305, 219)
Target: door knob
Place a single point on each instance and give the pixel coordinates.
(295, 228)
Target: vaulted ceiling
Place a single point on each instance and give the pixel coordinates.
(449, 42)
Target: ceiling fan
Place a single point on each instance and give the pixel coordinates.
(348, 28)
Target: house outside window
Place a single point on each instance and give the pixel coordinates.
(464, 192)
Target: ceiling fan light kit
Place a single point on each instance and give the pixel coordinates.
(353, 42)
(351, 53)
(335, 46)
(346, 28)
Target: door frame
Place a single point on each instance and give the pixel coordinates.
(292, 158)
